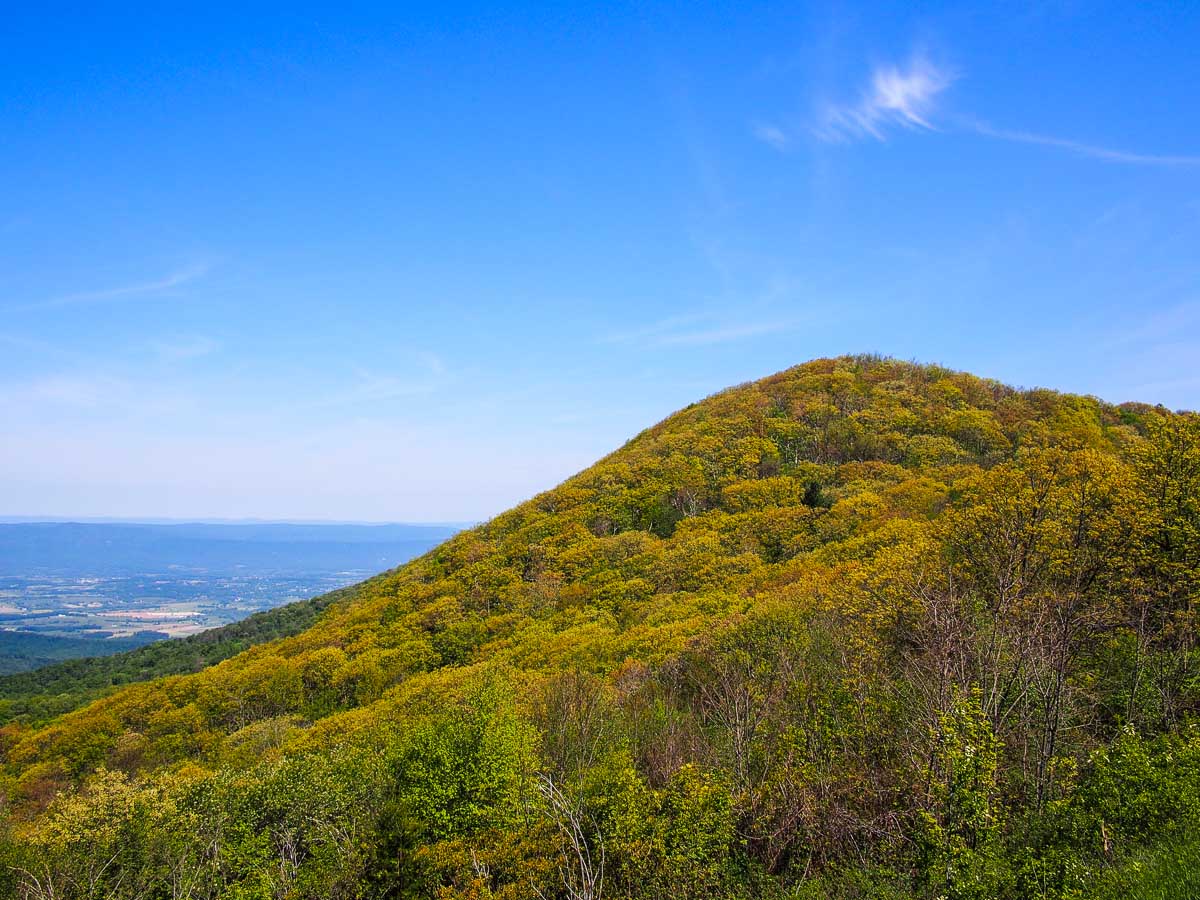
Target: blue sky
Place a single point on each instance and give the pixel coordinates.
(403, 263)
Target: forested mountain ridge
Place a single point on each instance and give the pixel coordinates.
(863, 628)
(23, 651)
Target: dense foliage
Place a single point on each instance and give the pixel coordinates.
(34, 697)
(861, 629)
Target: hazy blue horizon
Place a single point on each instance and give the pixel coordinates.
(17, 519)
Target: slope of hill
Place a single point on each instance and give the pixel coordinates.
(861, 629)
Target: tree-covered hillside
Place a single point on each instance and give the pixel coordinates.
(861, 629)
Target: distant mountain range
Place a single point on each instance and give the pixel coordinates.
(111, 549)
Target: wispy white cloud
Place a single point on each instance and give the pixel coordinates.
(123, 292)
(1082, 149)
(184, 348)
(376, 386)
(1179, 322)
(652, 332)
(907, 97)
(69, 391)
(772, 135)
(723, 334)
(437, 367)
(695, 330)
(896, 96)
(372, 387)
(1168, 386)
(29, 344)
(47, 393)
